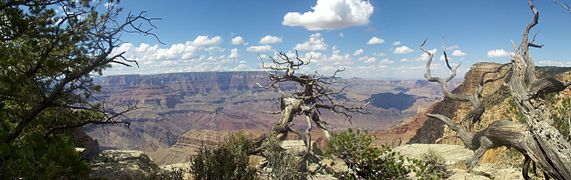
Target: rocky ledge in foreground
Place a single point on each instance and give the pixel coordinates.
(115, 163)
(454, 157)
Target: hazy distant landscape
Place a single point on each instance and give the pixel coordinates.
(174, 104)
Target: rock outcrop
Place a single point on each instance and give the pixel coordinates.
(114, 164)
(454, 156)
(496, 101)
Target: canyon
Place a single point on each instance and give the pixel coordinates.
(177, 113)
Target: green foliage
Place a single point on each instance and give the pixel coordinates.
(229, 160)
(47, 59)
(284, 165)
(430, 166)
(562, 116)
(354, 148)
(40, 157)
(156, 174)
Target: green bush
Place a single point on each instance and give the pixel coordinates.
(284, 165)
(562, 116)
(229, 160)
(366, 162)
(354, 148)
(36, 156)
(156, 174)
(430, 166)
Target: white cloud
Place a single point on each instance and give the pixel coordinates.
(200, 54)
(424, 56)
(498, 53)
(554, 63)
(358, 52)
(205, 41)
(233, 54)
(403, 50)
(404, 60)
(242, 66)
(214, 48)
(262, 48)
(341, 35)
(367, 59)
(270, 40)
(458, 53)
(314, 43)
(396, 43)
(375, 40)
(238, 40)
(386, 61)
(332, 14)
(314, 56)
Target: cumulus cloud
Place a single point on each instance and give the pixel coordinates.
(375, 40)
(205, 41)
(314, 43)
(200, 54)
(233, 54)
(367, 59)
(214, 49)
(396, 43)
(498, 53)
(458, 53)
(238, 40)
(270, 40)
(403, 50)
(331, 14)
(358, 52)
(262, 48)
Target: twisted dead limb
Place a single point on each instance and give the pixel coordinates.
(538, 139)
(316, 94)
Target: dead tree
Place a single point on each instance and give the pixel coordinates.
(538, 139)
(316, 93)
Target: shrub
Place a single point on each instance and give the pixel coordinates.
(228, 160)
(284, 165)
(562, 116)
(366, 162)
(156, 174)
(36, 156)
(354, 148)
(430, 166)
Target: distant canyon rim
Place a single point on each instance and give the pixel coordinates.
(179, 111)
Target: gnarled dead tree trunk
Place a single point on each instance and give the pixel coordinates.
(538, 139)
(316, 93)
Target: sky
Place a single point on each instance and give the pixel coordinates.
(376, 39)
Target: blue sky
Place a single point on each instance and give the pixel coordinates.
(374, 39)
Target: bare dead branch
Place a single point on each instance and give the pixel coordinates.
(316, 93)
(443, 83)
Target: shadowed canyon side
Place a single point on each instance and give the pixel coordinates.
(172, 106)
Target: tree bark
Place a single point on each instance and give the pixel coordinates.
(538, 139)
